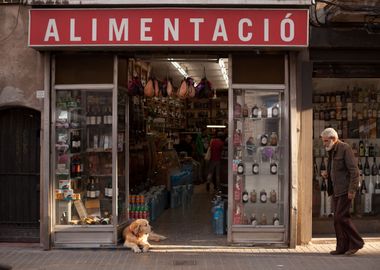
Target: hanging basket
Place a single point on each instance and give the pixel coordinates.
(204, 89)
(135, 87)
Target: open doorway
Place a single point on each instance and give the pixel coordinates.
(168, 172)
(19, 175)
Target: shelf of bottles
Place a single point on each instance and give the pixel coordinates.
(258, 170)
(164, 114)
(83, 157)
(355, 114)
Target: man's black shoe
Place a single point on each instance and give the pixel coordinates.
(351, 251)
(336, 252)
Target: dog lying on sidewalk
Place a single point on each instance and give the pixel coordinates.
(137, 234)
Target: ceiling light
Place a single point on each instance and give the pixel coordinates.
(223, 70)
(178, 67)
(216, 126)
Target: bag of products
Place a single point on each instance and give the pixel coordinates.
(208, 154)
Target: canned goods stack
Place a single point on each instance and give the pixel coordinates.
(137, 207)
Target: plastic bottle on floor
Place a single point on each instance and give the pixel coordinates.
(219, 219)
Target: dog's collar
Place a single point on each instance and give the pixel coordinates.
(135, 234)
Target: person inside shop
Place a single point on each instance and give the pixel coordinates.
(201, 145)
(343, 180)
(216, 149)
(186, 145)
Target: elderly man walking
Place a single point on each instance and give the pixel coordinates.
(343, 180)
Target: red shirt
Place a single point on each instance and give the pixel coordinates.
(216, 149)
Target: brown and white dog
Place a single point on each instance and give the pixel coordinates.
(138, 233)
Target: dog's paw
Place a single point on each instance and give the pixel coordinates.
(136, 250)
(145, 249)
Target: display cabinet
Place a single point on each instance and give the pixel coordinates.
(259, 180)
(88, 161)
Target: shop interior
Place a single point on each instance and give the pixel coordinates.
(179, 125)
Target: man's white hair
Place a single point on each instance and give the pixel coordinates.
(329, 133)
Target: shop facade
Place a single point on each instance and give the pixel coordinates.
(89, 58)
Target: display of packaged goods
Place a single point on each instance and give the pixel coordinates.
(257, 166)
(83, 156)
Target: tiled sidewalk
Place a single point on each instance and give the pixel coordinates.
(312, 256)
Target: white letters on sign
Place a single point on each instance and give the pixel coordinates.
(220, 30)
(51, 31)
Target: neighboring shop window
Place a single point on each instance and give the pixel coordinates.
(352, 107)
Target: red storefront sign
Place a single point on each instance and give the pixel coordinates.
(168, 27)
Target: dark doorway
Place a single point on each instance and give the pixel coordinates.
(19, 175)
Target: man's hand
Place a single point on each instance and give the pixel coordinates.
(351, 195)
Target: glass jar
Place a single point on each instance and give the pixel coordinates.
(273, 139)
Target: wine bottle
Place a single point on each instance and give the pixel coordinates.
(377, 186)
(253, 196)
(250, 146)
(253, 219)
(245, 110)
(361, 148)
(371, 150)
(240, 168)
(255, 167)
(263, 220)
(273, 196)
(360, 166)
(264, 111)
(255, 111)
(374, 168)
(237, 110)
(276, 111)
(276, 220)
(263, 196)
(366, 149)
(237, 137)
(74, 164)
(273, 167)
(75, 142)
(245, 196)
(273, 139)
(98, 115)
(371, 186)
(108, 189)
(264, 140)
(88, 188)
(367, 170)
(363, 187)
(323, 185)
(91, 188)
(237, 215)
(237, 189)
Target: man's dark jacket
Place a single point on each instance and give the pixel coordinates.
(343, 171)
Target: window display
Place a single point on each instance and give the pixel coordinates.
(122, 153)
(83, 157)
(258, 164)
(350, 106)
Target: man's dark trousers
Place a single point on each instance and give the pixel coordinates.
(347, 236)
